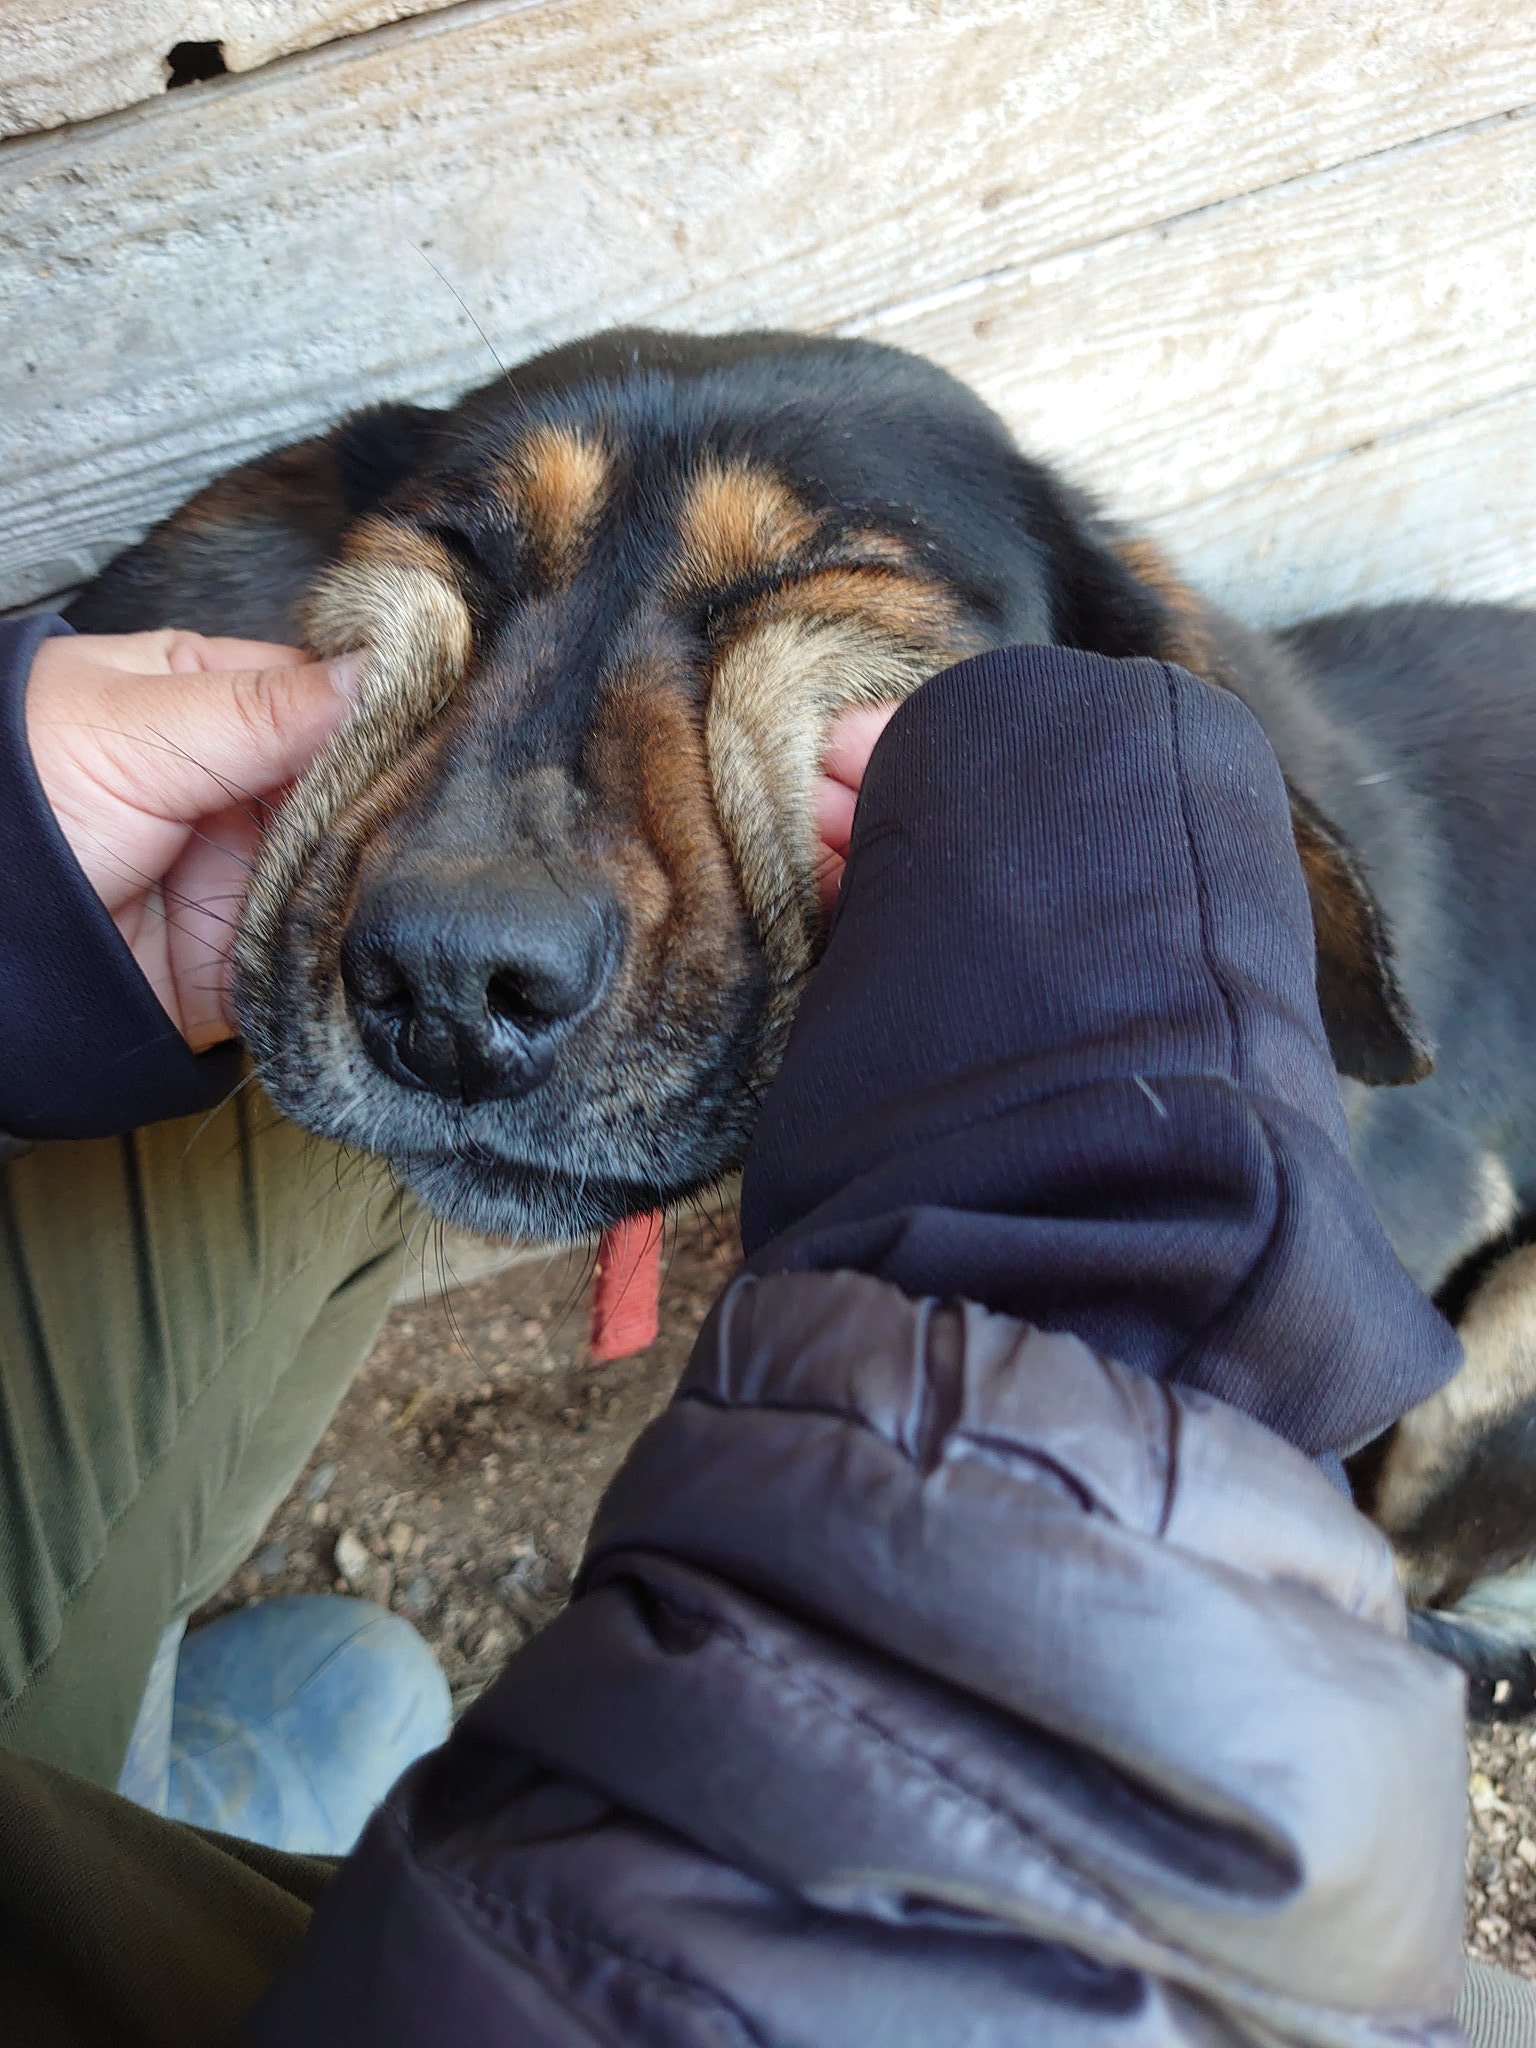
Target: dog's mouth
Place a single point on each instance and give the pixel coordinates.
(508, 1125)
(515, 1199)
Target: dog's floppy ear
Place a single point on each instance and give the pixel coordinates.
(1372, 1032)
(1114, 595)
(239, 557)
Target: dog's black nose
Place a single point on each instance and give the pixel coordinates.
(460, 979)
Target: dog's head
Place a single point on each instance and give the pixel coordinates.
(534, 925)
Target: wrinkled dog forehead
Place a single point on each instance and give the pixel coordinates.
(579, 566)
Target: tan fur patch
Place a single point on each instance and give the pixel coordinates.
(1190, 642)
(884, 600)
(775, 693)
(557, 481)
(688, 945)
(377, 540)
(647, 761)
(736, 522)
(394, 596)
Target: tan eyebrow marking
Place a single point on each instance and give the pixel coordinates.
(557, 482)
(908, 608)
(736, 522)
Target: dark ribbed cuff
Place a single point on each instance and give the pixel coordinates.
(1064, 1056)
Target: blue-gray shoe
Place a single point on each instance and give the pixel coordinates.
(288, 1721)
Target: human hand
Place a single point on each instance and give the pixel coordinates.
(850, 743)
(160, 754)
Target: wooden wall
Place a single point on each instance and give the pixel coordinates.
(1259, 271)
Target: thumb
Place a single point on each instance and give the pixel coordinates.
(185, 745)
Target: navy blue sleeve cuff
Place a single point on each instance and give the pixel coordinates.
(85, 1048)
(1064, 1057)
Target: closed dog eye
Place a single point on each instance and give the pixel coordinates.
(487, 564)
(464, 549)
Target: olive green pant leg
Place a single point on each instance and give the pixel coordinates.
(181, 1311)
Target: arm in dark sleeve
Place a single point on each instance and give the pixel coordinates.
(932, 1675)
(85, 1048)
(1064, 1054)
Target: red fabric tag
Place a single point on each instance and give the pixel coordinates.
(626, 1288)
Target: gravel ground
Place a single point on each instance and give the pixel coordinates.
(458, 1479)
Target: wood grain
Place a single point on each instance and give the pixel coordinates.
(1446, 509)
(1187, 364)
(1193, 249)
(69, 60)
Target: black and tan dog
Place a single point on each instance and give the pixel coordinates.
(535, 926)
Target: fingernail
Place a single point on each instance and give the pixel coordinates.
(346, 673)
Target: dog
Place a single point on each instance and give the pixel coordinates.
(535, 925)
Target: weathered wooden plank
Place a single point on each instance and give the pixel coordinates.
(68, 60)
(1447, 510)
(193, 281)
(1178, 362)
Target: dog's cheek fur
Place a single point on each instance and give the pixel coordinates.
(775, 692)
(395, 599)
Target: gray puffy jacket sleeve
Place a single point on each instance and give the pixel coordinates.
(941, 1673)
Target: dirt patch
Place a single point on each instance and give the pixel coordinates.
(458, 1479)
(1501, 1855)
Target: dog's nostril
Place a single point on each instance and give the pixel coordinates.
(370, 976)
(510, 1001)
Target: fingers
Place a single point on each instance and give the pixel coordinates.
(178, 744)
(834, 799)
(247, 730)
(150, 748)
(832, 807)
(851, 741)
(204, 893)
(169, 652)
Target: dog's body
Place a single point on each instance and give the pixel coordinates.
(535, 926)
